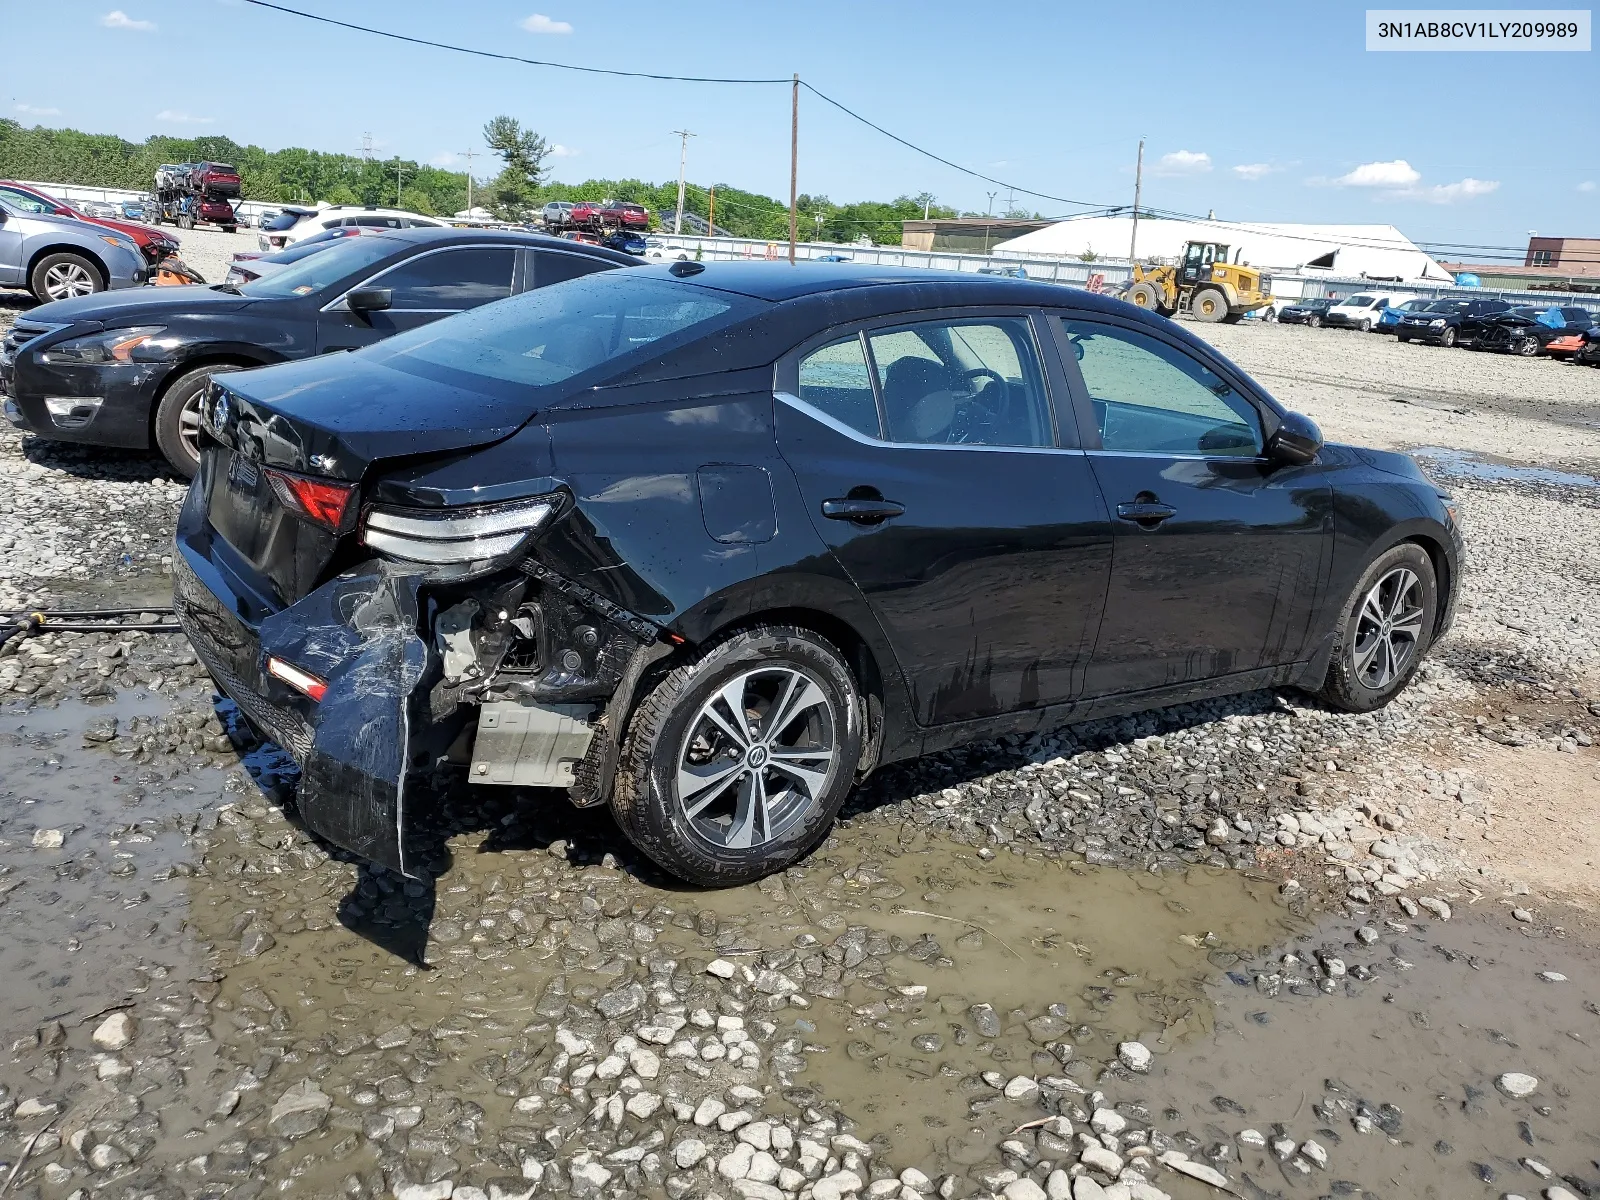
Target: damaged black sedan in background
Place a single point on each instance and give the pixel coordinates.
(709, 543)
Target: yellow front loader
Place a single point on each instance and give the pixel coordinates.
(1205, 284)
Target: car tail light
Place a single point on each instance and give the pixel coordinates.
(455, 536)
(320, 501)
(300, 681)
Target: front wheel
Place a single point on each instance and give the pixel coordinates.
(1385, 630)
(1144, 295)
(1364, 325)
(1314, 321)
(1528, 347)
(1448, 337)
(177, 422)
(737, 762)
(63, 276)
(1400, 337)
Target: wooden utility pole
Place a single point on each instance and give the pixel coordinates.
(683, 160)
(794, 165)
(1138, 181)
(711, 221)
(469, 155)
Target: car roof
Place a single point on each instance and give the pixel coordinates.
(444, 235)
(779, 281)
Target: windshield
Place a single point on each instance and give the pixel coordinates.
(546, 336)
(1357, 302)
(1448, 306)
(320, 271)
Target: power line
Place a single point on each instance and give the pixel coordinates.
(532, 62)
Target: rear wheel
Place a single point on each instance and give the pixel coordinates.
(177, 423)
(1385, 630)
(1209, 305)
(64, 275)
(737, 762)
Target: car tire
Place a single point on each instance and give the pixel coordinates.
(1385, 629)
(1448, 337)
(1400, 337)
(1314, 321)
(1144, 295)
(1208, 305)
(230, 229)
(1364, 325)
(1528, 347)
(680, 736)
(64, 275)
(177, 418)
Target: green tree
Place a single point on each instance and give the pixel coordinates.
(524, 153)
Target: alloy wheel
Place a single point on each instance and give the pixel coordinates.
(189, 424)
(67, 279)
(757, 756)
(1388, 628)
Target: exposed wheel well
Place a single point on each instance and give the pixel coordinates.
(210, 360)
(99, 263)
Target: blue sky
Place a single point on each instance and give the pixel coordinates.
(1258, 111)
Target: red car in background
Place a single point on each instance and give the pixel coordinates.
(625, 215)
(153, 244)
(585, 214)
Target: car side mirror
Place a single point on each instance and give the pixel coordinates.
(1296, 440)
(369, 299)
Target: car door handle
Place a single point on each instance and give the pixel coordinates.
(1146, 513)
(862, 512)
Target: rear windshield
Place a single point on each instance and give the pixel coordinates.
(282, 221)
(321, 271)
(546, 336)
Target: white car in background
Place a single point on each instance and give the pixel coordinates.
(1363, 310)
(293, 223)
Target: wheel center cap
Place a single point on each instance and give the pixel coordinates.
(757, 757)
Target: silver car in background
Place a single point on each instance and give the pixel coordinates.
(57, 258)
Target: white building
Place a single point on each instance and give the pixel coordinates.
(1355, 251)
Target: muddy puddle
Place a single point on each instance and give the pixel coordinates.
(1481, 468)
(304, 1025)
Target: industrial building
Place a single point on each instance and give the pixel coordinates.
(1349, 251)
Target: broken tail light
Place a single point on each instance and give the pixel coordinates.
(300, 681)
(320, 501)
(456, 536)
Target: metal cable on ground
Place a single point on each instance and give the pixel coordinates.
(32, 622)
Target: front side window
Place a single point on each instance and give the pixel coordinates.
(450, 280)
(837, 381)
(22, 202)
(973, 383)
(1150, 397)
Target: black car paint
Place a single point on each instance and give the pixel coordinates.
(1506, 331)
(1301, 314)
(693, 504)
(1419, 326)
(212, 326)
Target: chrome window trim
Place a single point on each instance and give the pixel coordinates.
(858, 437)
(1227, 458)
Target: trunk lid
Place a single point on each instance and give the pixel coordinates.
(331, 418)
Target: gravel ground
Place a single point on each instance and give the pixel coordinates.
(205, 1001)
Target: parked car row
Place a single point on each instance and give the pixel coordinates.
(1559, 331)
(595, 215)
(128, 370)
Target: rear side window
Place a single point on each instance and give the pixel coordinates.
(552, 266)
(954, 383)
(836, 380)
(450, 280)
(1151, 398)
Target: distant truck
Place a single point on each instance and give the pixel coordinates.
(199, 193)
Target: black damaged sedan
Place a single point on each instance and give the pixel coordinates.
(710, 543)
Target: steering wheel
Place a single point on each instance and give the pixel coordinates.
(971, 419)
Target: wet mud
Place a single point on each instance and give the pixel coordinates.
(301, 1024)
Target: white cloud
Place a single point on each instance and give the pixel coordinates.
(1587, 185)
(1450, 193)
(1395, 174)
(442, 160)
(117, 19)
(1255, 170)
(177, 117)
(560, 151)
(34, 110)
(539, 23)
(1183, 162)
